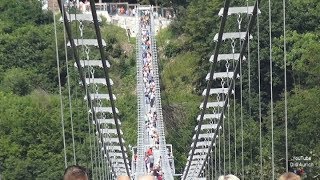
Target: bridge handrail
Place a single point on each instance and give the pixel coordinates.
(162, 143)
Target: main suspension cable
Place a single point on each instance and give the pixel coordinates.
(242, 51)
(212, 69)
(80, 69)
(106, 74)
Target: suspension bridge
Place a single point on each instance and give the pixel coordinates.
(210, 150)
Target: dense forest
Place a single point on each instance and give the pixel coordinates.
(31, 144)
(186, 48)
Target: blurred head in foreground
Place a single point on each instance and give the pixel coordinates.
(289, 176)
(228, 177)
(75, 173)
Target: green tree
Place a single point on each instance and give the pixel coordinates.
(303, 16)
(31, 139)
(303, 120)
(18, 81)
(19, 13)
(302, 57)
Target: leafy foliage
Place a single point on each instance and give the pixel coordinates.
(17, 14)
(17, 81)
(31, 142)
(197, 24)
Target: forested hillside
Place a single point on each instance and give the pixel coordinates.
(31, 144)
(185, 49)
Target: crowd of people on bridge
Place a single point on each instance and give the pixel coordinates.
(82, 5)
(122, 10)
(151, 117)
(148, 80)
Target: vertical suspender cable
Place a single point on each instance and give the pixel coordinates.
(249, 68)
(224, 142)
(249, 87)
(234, 121)
(229, 139)
(90, 142)
(219, 143)
(103, 164)
(86, 88)
(259, 94)
(69, 98)
(95, 144)
(241, 122)
(219, 151)
(271, 91)
(215, 159)
(234, 112)
(88, 121)
(109, 175)
(207, 172)
(228, 116)
(285, 81)
(209, 169)
(235, 125)
(69, 93)
(98, 160)
(234, 105)
(108, 166)
(90, 76)
(95, 152)
(241, 102)
(212, 165)
(60, 93)
(105, 161)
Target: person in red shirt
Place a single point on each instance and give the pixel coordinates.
(149, 152)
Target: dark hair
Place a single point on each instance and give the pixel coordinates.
(75, 171)
(289, 176)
